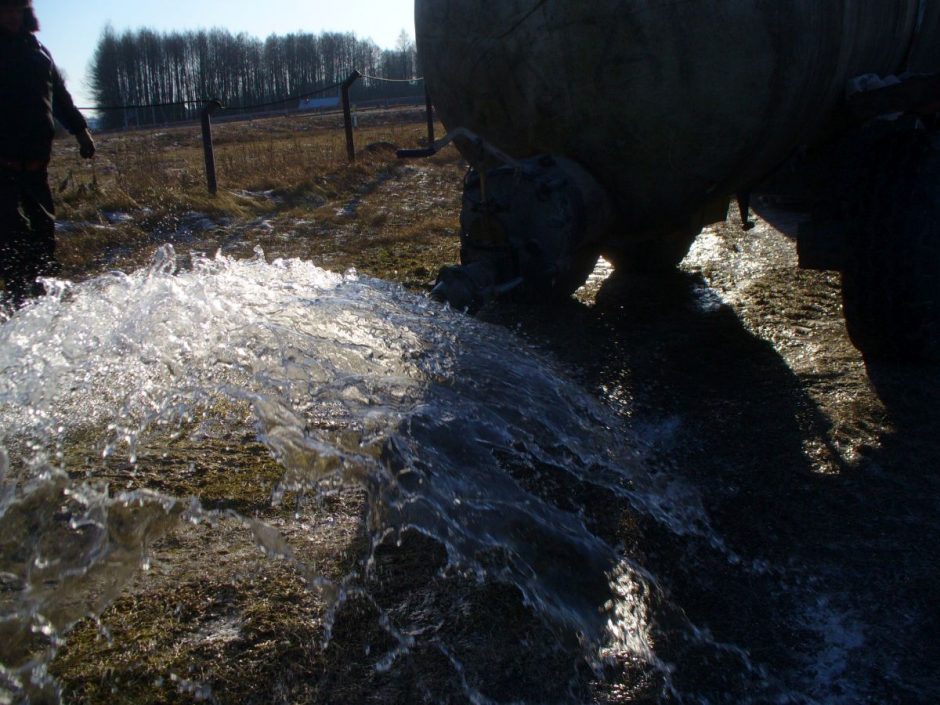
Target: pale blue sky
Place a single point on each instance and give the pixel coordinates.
(70, 28)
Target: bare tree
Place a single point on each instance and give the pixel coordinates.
(169, 73)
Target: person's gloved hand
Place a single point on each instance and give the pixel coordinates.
(86, 145)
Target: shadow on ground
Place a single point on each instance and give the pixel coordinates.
(806, 535)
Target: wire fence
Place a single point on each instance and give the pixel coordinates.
(349, 98)
(192, 107)
(349, 122)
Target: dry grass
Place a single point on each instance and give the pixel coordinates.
(144, 187)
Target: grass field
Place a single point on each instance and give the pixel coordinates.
(285, 184)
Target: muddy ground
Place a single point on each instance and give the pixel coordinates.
(740, 359)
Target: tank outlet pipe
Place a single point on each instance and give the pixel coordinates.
(481, 146)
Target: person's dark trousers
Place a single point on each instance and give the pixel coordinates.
(27, 233)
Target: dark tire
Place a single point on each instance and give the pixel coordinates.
(891, 276)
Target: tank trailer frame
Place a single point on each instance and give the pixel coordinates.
(534, 228)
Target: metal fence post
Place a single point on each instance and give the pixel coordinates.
(347, 114)
(207, 112)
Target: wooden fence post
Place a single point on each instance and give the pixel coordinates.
(347, 114)
(207, 112)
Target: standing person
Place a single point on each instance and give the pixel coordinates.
(32, 95)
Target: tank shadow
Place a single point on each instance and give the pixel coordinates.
(802, 540)
(469, 639)
(779, 560)
(716, 409)
(900, 488)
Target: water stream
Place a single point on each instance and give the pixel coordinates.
(455, 429)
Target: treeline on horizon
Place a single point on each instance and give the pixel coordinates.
(144, 67)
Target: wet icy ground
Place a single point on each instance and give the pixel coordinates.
(748, 509)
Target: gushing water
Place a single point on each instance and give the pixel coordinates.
(452, 426)
(454, 429)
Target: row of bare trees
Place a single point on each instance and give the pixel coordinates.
(165, 70)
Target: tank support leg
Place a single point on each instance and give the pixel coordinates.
(744, 207)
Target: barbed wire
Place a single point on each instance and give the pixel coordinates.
(392, 80)
(202, 101)
(195, 101)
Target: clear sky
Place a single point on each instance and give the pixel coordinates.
(70, 28)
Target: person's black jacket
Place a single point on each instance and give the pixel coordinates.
(32, 94)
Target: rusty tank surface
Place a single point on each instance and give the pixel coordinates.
(671, 107)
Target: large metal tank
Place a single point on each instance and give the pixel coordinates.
(669, 104)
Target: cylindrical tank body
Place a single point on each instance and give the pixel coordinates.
(670, 104)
